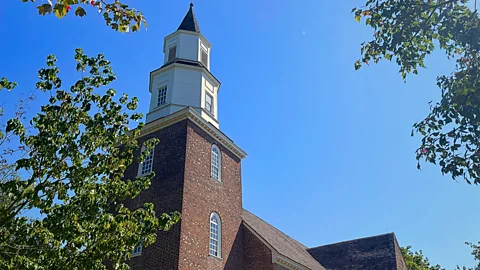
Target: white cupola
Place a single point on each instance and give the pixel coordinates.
(185, 80)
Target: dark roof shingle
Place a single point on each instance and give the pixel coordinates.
(189, 23)
(371, 253)
(282, 243)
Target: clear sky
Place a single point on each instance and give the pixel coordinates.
(330, 153)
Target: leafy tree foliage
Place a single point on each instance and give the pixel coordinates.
(117, 15)
(417, 261)
(78, 148)
(476, 256)
(405, 32)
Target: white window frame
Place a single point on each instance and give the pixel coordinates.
(216, 163)
(162, 96)
(212, 107)
(215, 239)
(137, 251)
(146, 163)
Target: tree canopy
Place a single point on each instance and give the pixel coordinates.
(417, 261)
(406, 32)
(117, 15)
(76, 152)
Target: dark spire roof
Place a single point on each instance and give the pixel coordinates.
(189, 23)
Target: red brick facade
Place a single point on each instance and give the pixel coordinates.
(166, 193)
(182, 182)
(257, 254)
(203, 195)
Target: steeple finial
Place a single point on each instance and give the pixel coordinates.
(189, 23)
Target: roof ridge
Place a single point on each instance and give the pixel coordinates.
(277, 229)
(351, 240)
(279, 241)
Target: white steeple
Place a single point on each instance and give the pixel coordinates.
(185, 80)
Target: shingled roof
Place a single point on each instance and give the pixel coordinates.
(282, 243)
(189, 23)
(372, 253)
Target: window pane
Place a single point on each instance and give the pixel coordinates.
(138, 249)
(209, 103)
(214, 236)
(147, 163)
(162, 96)
(215, 163)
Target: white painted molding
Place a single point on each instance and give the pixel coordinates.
(191, 114)
(171, 66)
(286, 262)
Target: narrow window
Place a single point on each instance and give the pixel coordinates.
(209, 103)
(172, 53)
(162, 96)
(204, 58)
(138, 250)
(147, 165)
(216, 163)
(215, 235)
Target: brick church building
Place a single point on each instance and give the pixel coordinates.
(198, 172)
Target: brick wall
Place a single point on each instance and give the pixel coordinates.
(182, 182)
(257, 255)
(165, 192)
(203, 195)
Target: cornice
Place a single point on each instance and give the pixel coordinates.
(287, 263)
(196, 65)
(187, 33)
(191, 114)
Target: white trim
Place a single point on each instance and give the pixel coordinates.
(202, 46)
(286, 262)
(191, 114)
(173, 65)
(202, 37)
(160, 107)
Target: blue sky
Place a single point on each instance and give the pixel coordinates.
(330, 152)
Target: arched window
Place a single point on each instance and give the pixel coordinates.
(216, 163)
(138, 250)
(147, 165)
(215, 235)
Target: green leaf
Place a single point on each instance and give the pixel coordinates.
(60, 10)
(79, 11)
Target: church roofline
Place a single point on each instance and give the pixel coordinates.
(353, 240)
(185, 63)
(191, 114)
(286, 251)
